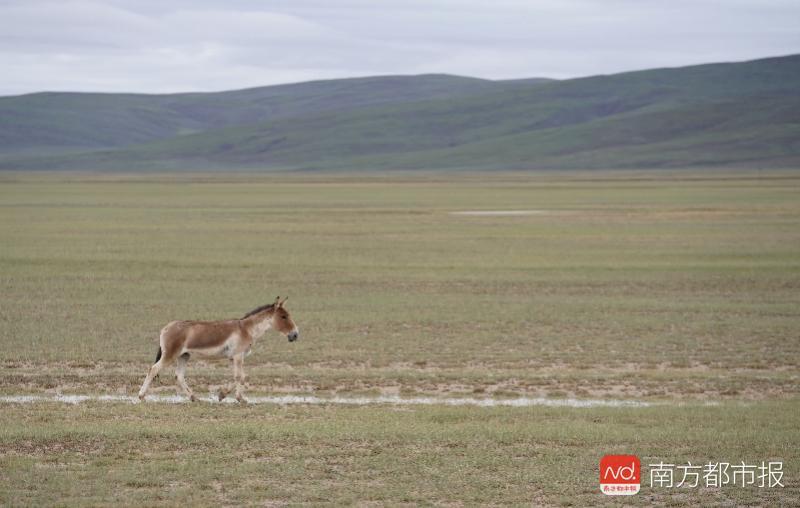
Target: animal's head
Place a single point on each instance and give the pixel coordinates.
(282, 321)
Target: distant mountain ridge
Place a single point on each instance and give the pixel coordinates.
(103, 120)
(733, 114)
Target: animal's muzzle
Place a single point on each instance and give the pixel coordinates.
(293, 336)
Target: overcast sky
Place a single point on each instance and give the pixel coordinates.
(203, 45)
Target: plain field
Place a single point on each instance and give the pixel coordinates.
(662, 287)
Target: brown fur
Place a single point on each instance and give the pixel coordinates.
(231, 338)
(206, 334)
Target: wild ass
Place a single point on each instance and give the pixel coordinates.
(218, 339)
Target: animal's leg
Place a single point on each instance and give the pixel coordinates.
(225, 390)
(180, 372)
(154, 370)
(238, 361)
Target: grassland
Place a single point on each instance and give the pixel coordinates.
(213, 455)
(666, 288)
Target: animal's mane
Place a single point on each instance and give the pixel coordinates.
(258, 309)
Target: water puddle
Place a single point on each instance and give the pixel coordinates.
(500, 213)
(355, 401)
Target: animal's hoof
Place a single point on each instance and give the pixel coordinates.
(221, 395)
(193, 398)
(141, 397)
(241, 400)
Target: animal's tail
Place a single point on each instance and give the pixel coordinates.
(158, 357)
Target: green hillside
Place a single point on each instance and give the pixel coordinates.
(708, 115)
(63, 121)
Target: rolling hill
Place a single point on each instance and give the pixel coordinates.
(54, 121)
(732, 114)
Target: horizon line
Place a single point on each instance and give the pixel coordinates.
(398, 75)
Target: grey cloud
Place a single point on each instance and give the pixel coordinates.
(183, 45)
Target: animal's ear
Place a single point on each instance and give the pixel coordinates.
(277, 301)
(284, 301)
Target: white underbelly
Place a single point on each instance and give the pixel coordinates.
(225, 350)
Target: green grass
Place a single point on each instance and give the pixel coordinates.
(649, 287)
(210, 455)
(662, 287)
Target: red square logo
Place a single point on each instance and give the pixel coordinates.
(620, 475)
